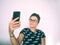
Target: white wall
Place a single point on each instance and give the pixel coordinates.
(49, 11)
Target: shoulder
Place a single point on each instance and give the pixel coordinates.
(42, 34)
(40, 31)
(24, 29)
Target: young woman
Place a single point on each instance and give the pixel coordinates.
(30, 35)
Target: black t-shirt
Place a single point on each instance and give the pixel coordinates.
(32, 38)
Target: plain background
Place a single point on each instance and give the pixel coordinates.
(49, 11)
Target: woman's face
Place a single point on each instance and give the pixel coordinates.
(33, 22)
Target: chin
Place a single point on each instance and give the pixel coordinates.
(31, 26)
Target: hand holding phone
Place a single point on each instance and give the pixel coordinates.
(14, 23)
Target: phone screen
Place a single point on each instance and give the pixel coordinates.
(16, 14)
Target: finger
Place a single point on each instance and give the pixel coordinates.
(15, 28)
(16, 19)
(16, 23)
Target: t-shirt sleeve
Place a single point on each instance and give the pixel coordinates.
(23, 31)
(43, 35)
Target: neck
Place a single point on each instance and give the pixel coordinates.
(33, 29)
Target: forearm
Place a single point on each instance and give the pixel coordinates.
(13, 39)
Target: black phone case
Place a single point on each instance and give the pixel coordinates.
(16, 14)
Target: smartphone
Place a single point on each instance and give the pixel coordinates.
(16, 14)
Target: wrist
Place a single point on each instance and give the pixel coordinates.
(10, 31)
(11, 35)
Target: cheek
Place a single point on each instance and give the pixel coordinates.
(35, 24)
(32, 24)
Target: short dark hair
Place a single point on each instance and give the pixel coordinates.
(37, 15)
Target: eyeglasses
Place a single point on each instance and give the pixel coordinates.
(33, 20)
